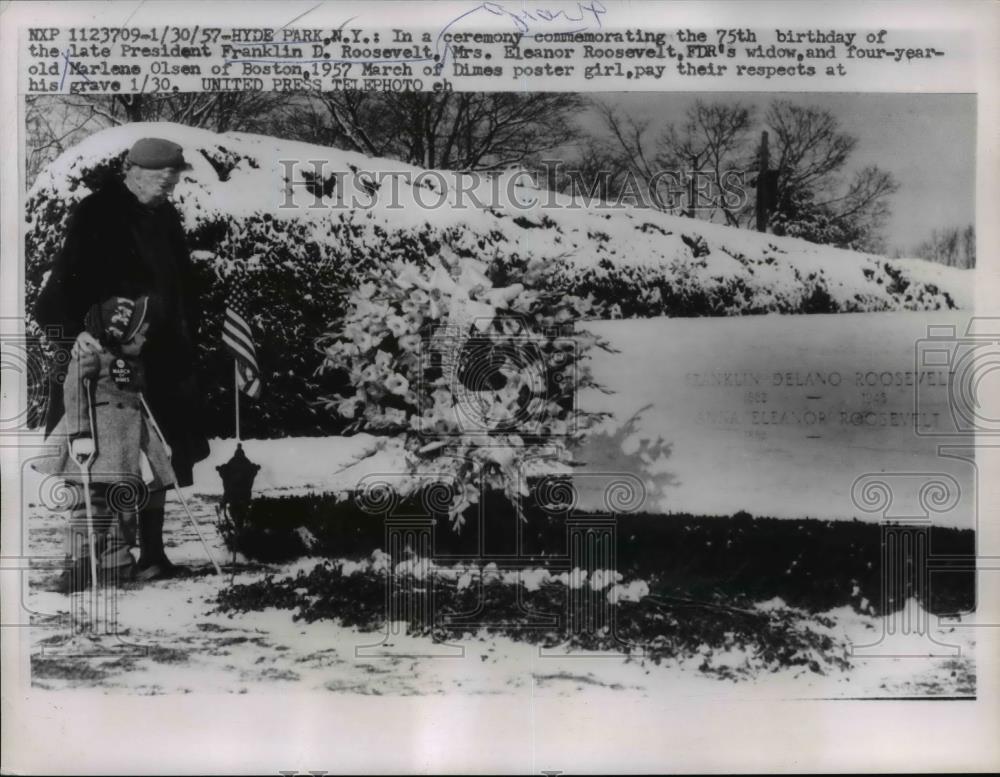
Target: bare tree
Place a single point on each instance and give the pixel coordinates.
(217, 111)
(809, 152)
(53, 124)
(955, 247)
(711, 140)
(631, 137)
(445, 130)
(810, 149)
(597, 171)
(812, 200)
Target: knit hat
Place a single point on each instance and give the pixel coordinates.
(117, 319)
(157, 154)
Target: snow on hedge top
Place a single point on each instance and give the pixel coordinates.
(245, 177)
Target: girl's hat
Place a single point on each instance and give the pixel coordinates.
(117, 319)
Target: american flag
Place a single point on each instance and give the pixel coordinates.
(238, 338)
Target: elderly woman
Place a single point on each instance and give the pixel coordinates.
(126, 240)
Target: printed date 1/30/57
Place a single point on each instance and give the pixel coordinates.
(168, 34)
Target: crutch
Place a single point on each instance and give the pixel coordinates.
(84, 463)
(177, 488)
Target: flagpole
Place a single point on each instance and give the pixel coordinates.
(236, 394)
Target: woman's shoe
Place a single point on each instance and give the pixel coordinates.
(160, 570)
(116, 576)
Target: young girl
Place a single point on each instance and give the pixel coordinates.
(106, 424)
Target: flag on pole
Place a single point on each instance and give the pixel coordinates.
(238, 338)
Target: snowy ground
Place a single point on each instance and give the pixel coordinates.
(169, 641)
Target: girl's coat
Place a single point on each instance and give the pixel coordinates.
(122, 433)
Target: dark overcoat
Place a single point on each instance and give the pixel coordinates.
(115, 246)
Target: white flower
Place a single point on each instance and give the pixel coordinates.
(394, 416)
(407, 275)
(502, 297)
(604, 577)
(512, 326)
(409, 342)
(472, 278)
(522, 302)
(397, 384)
(533, 578)
(416, 567)
(439, 420)
(442, 398)
(372, 411)
(413, 322)
(348, 567)
(556, 428)
(364, 341)
(380, 560)
(336, 351)
(397, 325)
(632, 592)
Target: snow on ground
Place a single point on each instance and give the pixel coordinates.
(299, 465)
(169, 641)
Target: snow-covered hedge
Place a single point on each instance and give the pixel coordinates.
(683, 290)
(302, 262)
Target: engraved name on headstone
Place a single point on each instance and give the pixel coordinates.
(776, 415)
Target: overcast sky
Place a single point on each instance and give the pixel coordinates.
(927, 141)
